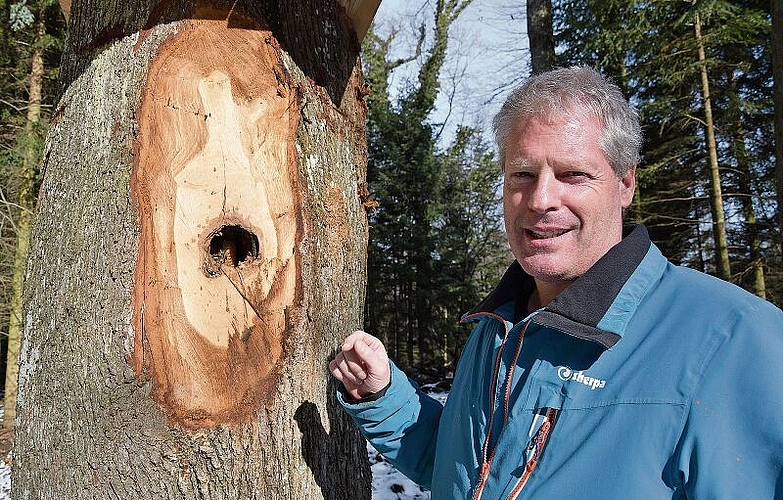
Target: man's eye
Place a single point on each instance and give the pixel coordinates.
(577, 175)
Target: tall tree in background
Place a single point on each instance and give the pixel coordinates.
(20, 167)
(777, 90)
(651, 49)
(748, 148)
(471, 246)
(197, 257)
(434, 238)
(716, 191)
(540, 37)
(734, 51)
(404, 177)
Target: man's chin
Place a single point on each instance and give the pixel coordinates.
(546, 272)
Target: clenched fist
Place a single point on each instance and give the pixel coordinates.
(362, 365)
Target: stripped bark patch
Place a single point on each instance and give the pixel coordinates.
(217, 192)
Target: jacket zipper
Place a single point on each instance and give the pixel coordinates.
(486, 454)
(539, 440)
(536, 448)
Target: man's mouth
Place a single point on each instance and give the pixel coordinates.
(545, 234)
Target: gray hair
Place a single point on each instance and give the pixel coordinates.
(577, 89)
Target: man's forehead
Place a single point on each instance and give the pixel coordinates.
(570, 121)
(569, 129)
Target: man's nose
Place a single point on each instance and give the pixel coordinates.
(545, 194)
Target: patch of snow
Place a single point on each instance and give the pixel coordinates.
(387, 482)
(5, 479)
(5, 470)
(390, 484)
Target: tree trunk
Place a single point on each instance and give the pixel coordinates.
(777, 95)
(29, 174)
(198, 256)
(744, 180)
(540, 37)
(716, 198)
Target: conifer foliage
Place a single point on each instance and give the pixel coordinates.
(31, 37)
(700, 73)
(436, 237)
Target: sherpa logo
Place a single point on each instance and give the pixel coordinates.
(566, 373)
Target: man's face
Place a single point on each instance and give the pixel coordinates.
(562, 201)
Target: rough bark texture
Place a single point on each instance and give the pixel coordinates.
(127, 388)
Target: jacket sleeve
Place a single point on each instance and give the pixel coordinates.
(402, 425)
(732, 442)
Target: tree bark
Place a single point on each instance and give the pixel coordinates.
(28, 175)
(716, 196)
(198, 256)
(540, 37)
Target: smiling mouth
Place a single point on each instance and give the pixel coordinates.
(542, 235)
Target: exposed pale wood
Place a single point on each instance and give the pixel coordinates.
(361, 13)
(215, 159)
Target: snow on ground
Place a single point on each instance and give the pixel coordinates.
(387, 482)
(5, 480)
(5, 471)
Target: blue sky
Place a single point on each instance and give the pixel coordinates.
(487, 49)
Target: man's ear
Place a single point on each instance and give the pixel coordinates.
(627, 186)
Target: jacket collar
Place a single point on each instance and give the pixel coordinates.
(580, 308)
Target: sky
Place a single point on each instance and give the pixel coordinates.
(487, 52)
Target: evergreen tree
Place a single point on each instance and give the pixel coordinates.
(31, 35)
(651, 50)
(430, 243)
(472, 251)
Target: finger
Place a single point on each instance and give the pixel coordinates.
(373, 343)
(355, 337)
(377, 366)
(345, 372)
(355, 363)
(372, 354)
(334, 369)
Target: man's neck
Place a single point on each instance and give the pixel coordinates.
(544, 294)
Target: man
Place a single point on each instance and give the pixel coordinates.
(597, 369)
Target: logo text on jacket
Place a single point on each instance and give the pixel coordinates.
(566, 373)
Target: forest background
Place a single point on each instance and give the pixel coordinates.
(705, 76)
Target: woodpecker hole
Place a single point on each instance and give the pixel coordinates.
(230, 246)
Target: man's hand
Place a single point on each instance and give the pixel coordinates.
(362, 365)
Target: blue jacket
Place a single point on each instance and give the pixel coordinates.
(641, 380)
